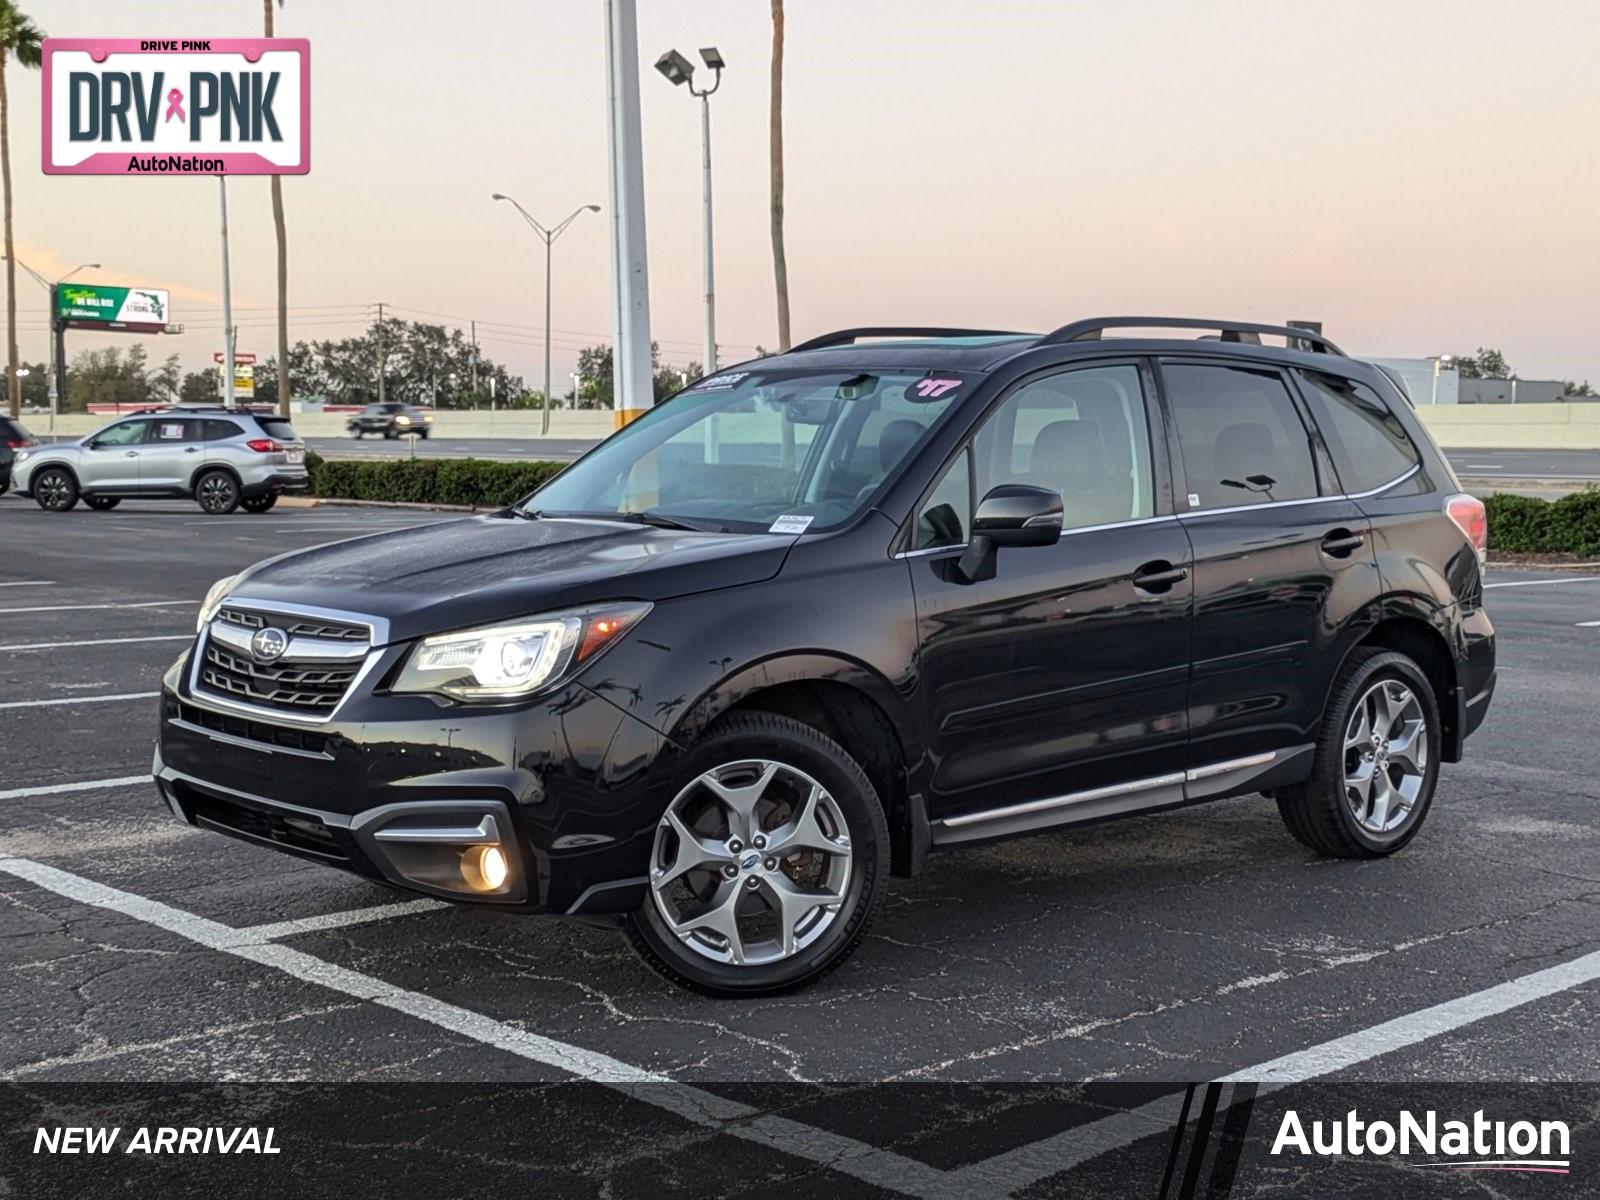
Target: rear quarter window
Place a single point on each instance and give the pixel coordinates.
(278, 429)
(1369, 445)
(219, 430)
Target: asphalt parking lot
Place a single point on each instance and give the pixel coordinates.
(1188, 945)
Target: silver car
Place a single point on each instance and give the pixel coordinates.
(224, 459)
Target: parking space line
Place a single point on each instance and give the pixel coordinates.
(29, 583)
(1027, 1165)
(884, 1168)
(66, 700)
(83, 607)
(1588, 624)
(84, 785)
(1541, 582)
(340, 920)
(164, 637)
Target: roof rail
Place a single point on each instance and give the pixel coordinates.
(1090, 329)
(843, 337)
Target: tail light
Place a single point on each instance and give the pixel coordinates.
(1472, 519)
(14, 444)
(265, 446)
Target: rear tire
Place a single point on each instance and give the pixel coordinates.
(258, 504)
(1377, 761)
(102, 503)
(55, 490)
(217, 493)
(773, 782)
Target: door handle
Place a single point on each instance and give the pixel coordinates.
(1341, 543)
(1159, 576)
(191, 449)
(131, 454)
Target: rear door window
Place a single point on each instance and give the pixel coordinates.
(215, 430)
(167, 431)
(1370, 447)
(1242, 439)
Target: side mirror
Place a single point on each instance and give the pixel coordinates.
(1012, 514)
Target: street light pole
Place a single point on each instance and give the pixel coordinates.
(679, 70)
(227, 302)
(548, 236)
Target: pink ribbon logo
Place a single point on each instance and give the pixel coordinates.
(175, 105)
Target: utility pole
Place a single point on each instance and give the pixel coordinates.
(228, 332)
(379, 342)
(474, 363)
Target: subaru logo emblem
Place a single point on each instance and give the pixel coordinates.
(749, 861)
(269, 644)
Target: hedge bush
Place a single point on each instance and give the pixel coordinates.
(472, 481)
(1528, 525)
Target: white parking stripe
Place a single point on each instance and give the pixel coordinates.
(706, 1109)
(81, 607)
(29, 583)
(69, 700)
(1541, 582)
(165, 637)
(1587, 624)
(1027, 1165)
(86, 785)
(339, 920)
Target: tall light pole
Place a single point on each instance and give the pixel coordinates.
(549, 237)
(50, 326)
(679, 71)
(227, 303)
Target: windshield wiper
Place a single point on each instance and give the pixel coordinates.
(635, 518)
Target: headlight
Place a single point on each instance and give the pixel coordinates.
(507, 662)
(402, 420)
(213, 601)
(23, 456)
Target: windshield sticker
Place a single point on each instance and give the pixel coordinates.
(788, 524)
(720, 383)
(934, 388)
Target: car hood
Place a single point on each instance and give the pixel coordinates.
(455, 574)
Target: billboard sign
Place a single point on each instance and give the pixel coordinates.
(98, 306)
(211, 106)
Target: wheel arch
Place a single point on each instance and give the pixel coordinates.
(206, 468)
(848, 702)
(1420, 631)
(35, 470)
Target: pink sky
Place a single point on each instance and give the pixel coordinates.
(1421, 176)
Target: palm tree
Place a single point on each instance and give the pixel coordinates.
(283, 264)
(19, 36)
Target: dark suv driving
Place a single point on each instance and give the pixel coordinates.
(390, 419)
(825, 612)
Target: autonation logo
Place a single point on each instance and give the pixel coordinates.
(1476, 1145)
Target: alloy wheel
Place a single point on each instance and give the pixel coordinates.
(216, 494)
(752, 862)
(54, 491)
(1385, 756)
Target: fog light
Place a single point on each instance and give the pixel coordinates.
(485, 868)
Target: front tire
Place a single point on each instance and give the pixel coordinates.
(102, 503)
(1377, 761)
(55, 490)
(768, 864)
(217, 493)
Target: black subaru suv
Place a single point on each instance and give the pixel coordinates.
(893, 591)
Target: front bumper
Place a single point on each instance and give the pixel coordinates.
(398, 789)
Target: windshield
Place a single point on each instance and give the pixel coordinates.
(740, 450)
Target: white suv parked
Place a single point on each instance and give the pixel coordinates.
(225, 459)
